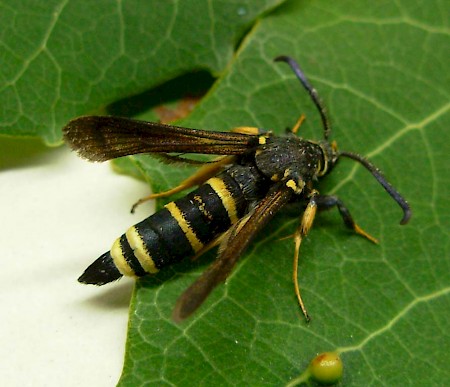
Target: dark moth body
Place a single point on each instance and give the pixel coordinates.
(237, 194)
(187, 226)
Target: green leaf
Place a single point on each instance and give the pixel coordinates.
(64, 59)
(380, 68)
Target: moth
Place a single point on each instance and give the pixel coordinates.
(254, 175)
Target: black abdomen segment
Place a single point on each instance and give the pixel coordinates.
(180, 230)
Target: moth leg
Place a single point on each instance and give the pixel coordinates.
(246, 130)
(204, 173)
(216, 242)
(222, 239)
(208, 247)
(300, 233)
(299, 123)
(325, 202)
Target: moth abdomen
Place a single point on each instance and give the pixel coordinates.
(101, 271)
(181, 229)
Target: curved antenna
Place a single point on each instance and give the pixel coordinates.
(311, 91)
(382, 180)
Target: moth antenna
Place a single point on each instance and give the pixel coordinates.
(311, 91)
(382, 180)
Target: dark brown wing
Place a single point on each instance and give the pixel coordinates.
(101, 138)
(233, 246)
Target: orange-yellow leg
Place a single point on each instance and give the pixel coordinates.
(246, 130)
(222, 240)
(300, 233)
(323, 202)
(299, 123)
(326, 202)
(207, 171)
(216, 242)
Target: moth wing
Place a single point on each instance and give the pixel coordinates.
(101, 138)
(230, 250)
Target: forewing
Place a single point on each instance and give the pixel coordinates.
(230, 250)
(101, 138)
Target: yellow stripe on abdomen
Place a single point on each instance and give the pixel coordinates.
(224, 194)
(120, 261)
(140, 250)
(185, 226)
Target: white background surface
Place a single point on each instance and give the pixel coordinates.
(58, 214)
